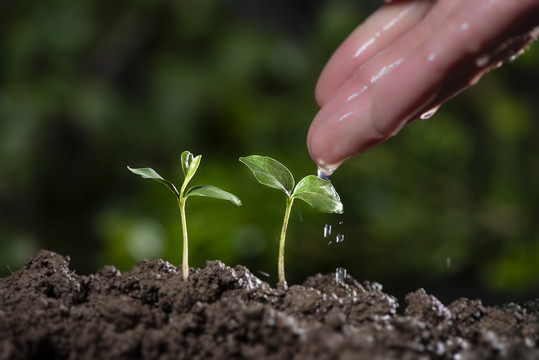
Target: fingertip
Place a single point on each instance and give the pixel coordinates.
(318, 145)
(321, 154)
(339, 137)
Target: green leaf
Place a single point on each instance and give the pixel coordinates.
(318, 193)
(270, 172)
(187, 158)
(189, 166)
(214, 192)
(149, 173)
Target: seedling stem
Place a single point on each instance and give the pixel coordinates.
(185, 264)
(282, 281)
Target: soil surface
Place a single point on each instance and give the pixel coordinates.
(47, 311)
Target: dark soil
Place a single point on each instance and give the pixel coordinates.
(49, 312)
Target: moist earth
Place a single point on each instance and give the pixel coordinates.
(47, 311)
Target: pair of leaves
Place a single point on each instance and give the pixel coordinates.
(189, 167)
(318, 193)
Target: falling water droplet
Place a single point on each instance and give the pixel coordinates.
(324, 174)
(327, 230)
(263, 273)
(428, 114)
(340, 275)
(448, 261)
(329, 243)
(339, 238)
(341, 222)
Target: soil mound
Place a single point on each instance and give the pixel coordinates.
(47, 311)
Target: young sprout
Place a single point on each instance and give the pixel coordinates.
(316, 192)
(189, 167)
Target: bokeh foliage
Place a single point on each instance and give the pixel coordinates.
(88, 87)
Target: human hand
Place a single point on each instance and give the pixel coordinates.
(407, 59)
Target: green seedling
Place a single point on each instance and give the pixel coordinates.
(189, 167)
(316, 192)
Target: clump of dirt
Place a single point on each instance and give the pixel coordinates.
(48, 311)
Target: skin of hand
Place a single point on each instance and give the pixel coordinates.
(407, 58)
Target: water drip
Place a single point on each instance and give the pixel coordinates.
(340, 275)
(327, 230)
(324, 174)
(429, 113)
(482, 61)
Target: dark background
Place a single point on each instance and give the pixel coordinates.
(88, 87)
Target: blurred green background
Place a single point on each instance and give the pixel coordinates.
(90, 86)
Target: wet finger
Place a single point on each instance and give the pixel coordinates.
(379, 31)
(366, 111)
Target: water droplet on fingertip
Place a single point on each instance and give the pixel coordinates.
(482, 61)
(346, 116)
(475, 79)
(398, 128)
(429, 113)
(355, 95)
